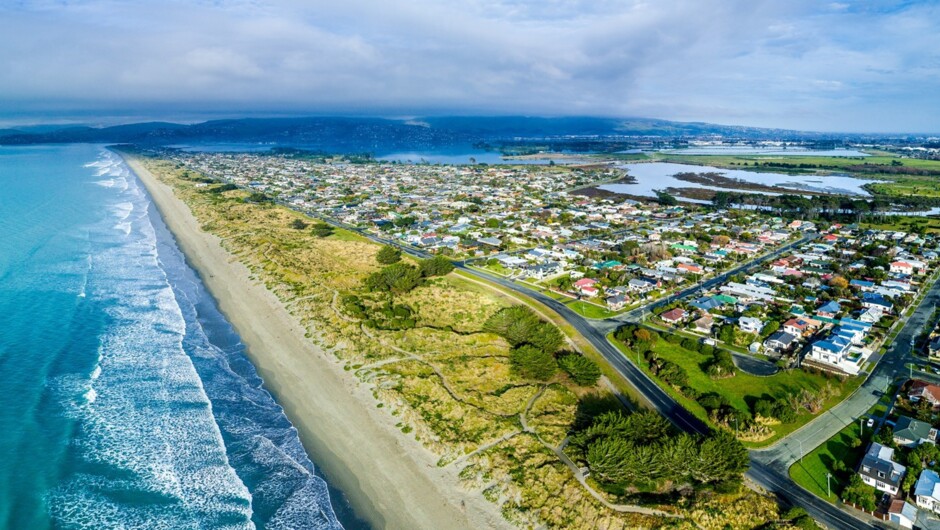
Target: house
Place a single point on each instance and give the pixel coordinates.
(780, 341)
(673, 316)
(584, 282)
(901, 267)
(909, 432)
(831, 350)
(829, 309)
(879, 469)
(641, 285)
(617, 302)
(902, 513)
(927, 491)
(922, 390)
(688, 268)
(704, 324)
(876, 301)
(796, 326)
(750, 324)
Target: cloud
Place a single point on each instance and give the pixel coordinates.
(789, 64)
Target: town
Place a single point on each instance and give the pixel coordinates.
(791, 301)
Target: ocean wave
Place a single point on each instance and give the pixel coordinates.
(148, 451)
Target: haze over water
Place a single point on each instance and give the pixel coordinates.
(128, 401)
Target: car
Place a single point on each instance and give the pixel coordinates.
(870, 423)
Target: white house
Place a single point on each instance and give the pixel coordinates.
(879, 469)
(927, 491)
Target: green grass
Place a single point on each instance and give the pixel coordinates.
(811, 472)
(907, 223)
(743, 389)
(589, 310)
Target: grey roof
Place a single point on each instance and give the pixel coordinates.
(911, 429)
(877, 464)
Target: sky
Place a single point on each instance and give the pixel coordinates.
(870, 66)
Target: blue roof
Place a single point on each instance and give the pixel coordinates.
(830, 307)
(861, 283)
(876, 298)
(706, 303)
(926, 483)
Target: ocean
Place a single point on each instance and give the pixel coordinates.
(127, 399)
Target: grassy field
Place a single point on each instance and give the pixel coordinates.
(743, 389)
(589, 310)
(905, 223)
(811, 472)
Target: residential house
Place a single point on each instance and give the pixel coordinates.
(797, 326)
(901, 267)
(876, 301)
(879, 469)
(750, 324)
(780, 341)
(829, 310)
(927, 491)
(617, 302)
(673, 316)
(923, 390)
(704, 324)
(909, 432)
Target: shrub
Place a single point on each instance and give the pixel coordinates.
(436, 266)
(520, 325)
(322, 230)
(396, 278)
(388, 255)
(298, 224)
(531, 362)
(582, 370)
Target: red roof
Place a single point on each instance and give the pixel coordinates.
(923, 389)
(585, 282)
(673, 314)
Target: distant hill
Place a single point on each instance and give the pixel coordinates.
(372, 134)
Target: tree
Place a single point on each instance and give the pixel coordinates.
(520, 325)
(582, 370)
(531, 362)
(838, 282)
(436, 266)
(396, 278)
(665, 198)
(298, 224)
(857, 492)
(322, 230)
(769, 329)
(388, 255)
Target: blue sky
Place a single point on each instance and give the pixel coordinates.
(834, 66)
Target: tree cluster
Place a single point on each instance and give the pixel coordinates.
(534, 341)
(582, 370)
(640, 450)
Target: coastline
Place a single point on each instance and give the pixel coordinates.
(391, 480)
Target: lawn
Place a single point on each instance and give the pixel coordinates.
(906, 223)
(811, 472)
(743, 389)
(589, 310)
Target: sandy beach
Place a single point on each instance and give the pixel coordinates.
(389, 478)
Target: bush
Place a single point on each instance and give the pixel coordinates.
(436, 266)
(298, 224)
(396, 278)
(388, 255)
(520, 325)
(531, 362)
(322, 230)
(690, 344)
(673, 339)
(582, 370)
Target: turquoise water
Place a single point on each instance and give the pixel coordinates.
(127, 399)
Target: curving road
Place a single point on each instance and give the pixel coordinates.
(769, 468)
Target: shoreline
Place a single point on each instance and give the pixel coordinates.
(391, 481)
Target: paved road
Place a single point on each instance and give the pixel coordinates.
(769, 468)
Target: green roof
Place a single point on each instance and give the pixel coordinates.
(725, 299)
(689, 248)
